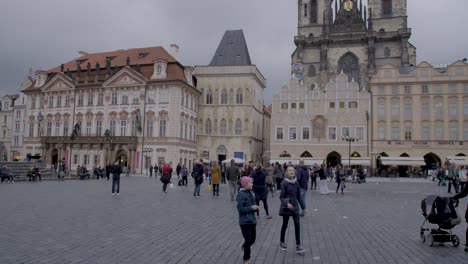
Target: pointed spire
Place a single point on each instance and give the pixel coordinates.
(365, 15)
(128, 60)
(360, 6)
(369, 24)
(98, 67)
(336, 7)
(61, 67)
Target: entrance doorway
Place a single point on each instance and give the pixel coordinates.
(333, 159)
(54, 156)
(221, 158)
(122, 158)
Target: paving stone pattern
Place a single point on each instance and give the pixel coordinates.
(81, 222)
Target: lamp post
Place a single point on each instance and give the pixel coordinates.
(349, 140)
(374, 169)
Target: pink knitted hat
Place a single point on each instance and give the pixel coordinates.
(244, 180)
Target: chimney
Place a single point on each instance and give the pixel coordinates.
(82, 53)
(175, 51)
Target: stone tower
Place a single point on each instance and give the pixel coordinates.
(344, 35)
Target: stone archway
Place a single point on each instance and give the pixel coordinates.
(54, 156)
(333, 159)
(432, 161)
(122, 157)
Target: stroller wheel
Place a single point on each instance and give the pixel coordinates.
(423, 237)
(430, 240)
(455, 240)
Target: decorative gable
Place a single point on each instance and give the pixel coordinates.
(59, 83)
(160, 69)
(125, 77)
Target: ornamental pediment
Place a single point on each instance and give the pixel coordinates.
(58, 83)
(125, 77)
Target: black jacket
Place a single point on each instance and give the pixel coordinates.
(259, 186)
(198, 171)
(302, 175)
(290, 192)
(116, 170)
(463, 194)
(245, 200)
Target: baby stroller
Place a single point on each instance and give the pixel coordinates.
(439, 211)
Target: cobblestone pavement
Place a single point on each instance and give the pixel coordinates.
(81, 222)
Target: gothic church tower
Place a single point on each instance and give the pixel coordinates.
(344, 35)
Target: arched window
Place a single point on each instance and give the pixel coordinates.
(209, 97)
(311, 72)
(222, 127)
(313, 11)
(224, 96)
(386, 7)
(238, 128)
(208, 127)
(239, 97)
(349, 64)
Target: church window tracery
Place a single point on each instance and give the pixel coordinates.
(349, 64)
(313, 11)
(312, 71)
(386, 7)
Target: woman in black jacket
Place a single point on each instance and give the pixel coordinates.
(290, 200)
(259, 187)
(247, 221)
(463, 194)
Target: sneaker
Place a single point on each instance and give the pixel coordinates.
(302, 215)
(118, 193)
(247, 261)
(283, 246)
(300, 250)
(113, 193)
(269, 217)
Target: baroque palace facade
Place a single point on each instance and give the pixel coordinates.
(138, 106)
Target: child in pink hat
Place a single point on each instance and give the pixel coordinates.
(247, 221)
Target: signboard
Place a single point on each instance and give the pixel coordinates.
(239, 155)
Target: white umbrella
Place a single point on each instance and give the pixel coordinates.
(236, 161)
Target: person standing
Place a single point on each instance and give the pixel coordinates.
(451, 176)
(259, 187)
(340, 178)
(197, 174)
(223, 173)
(166, 176)
(233, 176)
(279, 175)
(463, 177)
(463, 194)
(302, 175)
(116, 170)
(313, 179)
(184, 172)
(178, 169)
(290, 201)
(246, 207)
(215, 178)
(151, 171)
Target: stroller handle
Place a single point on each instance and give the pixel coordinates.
(455, 202)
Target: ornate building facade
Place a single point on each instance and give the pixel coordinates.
(7, 147)
(420, 112)
(344, 35)
(231, 105)
(138, 106)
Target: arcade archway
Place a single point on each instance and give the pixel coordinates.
(333, 159)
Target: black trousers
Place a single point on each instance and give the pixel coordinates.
(184, 180)
(278, 183)
(313, 183)
(265, 204)
(297, 228)
(250, 234)
(165, 186)
(450, 186)
(215, 189)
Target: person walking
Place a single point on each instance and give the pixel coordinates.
(313, 178)
(248, 223)
(151, 171)
(259, 187)
(215, 178)
(184, 172)
(463, 194)
(116, 170)
(178, 169)
(197, 174)
(233, 176)
(463, 177)
(291, 199)
(279, 175)
(451, 177)
(108, 170)
(340, 178)
(223, 173)
(302, 175)
(269, 179)
(166, 176)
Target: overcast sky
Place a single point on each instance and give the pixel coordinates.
(43, 34)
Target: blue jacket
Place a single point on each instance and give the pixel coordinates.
(245, 200)
(302, 175)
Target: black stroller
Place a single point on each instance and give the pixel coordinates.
(439, 211)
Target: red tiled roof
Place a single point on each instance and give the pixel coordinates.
(268, 109)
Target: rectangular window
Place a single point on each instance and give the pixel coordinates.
(381, 132)
(425, 108)
(80, 100)
(85, 159)
(408, 109)
(342, 105)
(293, 105)
(31, 130)
(114, 98)
(465, 108)
(33, 102)
(381, 109)
(332, 105)
(305, 133)
(65, 128)
(162, 128)
(67, 100)
(17, 126)
(452, 89)
(453, 133)
(439, 132)
(136, 97)
(96, 160)
(395, 90)
(382, 90)
(149, 128)
(360, 133)
(90, 99)
(134, 128)
(163, 97)
(51, 101)
(191, 135)
(465, 132)
(465, 88)
(332, 133)
(453, 108)
(292, 133)
(100, 99)
(75, 159)
(424, 89)
(57, 129)
(408, 132)
(279, 133)
(123, 128)
(59, 101)
(395, 133)
(284, 106)
(395, 109)
(49, 129)
(301, 105)
(88, 128)
(124, 99)
(41, 102)
(38, 130)
(186, 130)
(439, 110)
(425, 133)
(352, 105)
(112, 127)
(407, 89)
(345, 132)
(99, 128)
(150, 97)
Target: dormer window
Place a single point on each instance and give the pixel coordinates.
(158, 70)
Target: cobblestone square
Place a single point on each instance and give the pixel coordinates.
(81, 222)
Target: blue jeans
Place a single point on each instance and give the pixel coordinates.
(115, 185)
(196, 192)
(303, 198)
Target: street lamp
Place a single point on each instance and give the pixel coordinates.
(349, 140)
(374, 169)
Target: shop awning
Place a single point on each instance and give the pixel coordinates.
(287, 161)
(458, 160)
(403, 161)
(362, 161)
